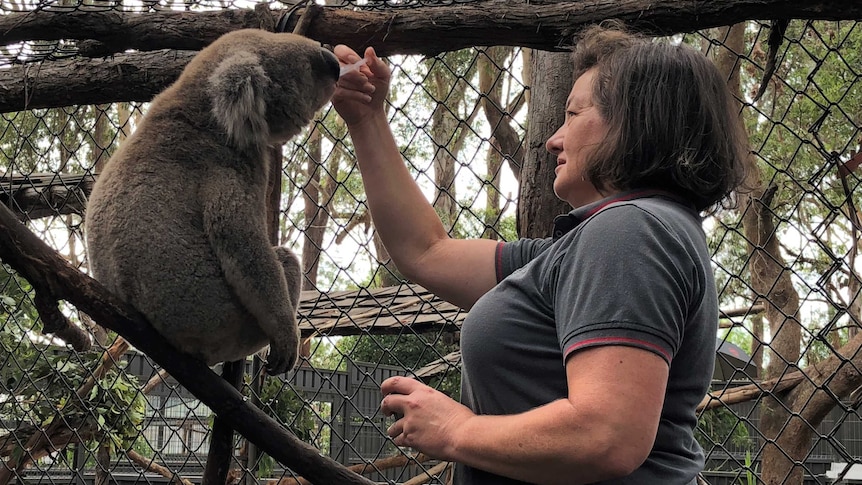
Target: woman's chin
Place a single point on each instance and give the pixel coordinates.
(557, 191)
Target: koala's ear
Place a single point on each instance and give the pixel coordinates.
(237, 87)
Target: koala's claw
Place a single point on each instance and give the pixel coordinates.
(281, 359)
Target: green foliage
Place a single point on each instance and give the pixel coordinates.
(806, 121)
(750, 469)
(408, 351)
(119, 409)
(58, 139)
(110, 414)
(37, 379)
(473, 226)
(721, 428)
(325, 355)
(20, 134)
(18, 318)
(282, 403)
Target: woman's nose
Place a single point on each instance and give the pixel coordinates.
(554, 145)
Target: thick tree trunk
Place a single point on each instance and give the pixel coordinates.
(537, 204)
(498, 111)
(387, 273)
(770, 280)
(491, 88)
(449, 129)
(445, 134)
(505, 140)
(317, 195)
(100, 140)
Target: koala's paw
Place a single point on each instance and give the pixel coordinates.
(283, 354)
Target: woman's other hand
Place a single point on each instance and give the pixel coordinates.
(428, 420)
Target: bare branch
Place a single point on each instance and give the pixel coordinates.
(149, 465)
(545, 25)
(124, 77)
(427, 475)
(364, 468)
(119, 31)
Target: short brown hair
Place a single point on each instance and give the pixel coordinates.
(672, 122)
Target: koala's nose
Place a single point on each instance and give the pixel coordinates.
(330, 62)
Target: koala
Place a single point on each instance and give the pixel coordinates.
(175, 224)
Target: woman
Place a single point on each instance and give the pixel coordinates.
(586, 354)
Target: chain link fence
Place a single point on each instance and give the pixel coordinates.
(784, 403)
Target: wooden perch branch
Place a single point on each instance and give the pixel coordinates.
(124, 77)
(817, 387)
(363, 468)
(148, 464)
(429, 474)
(750, 392)
(119, 31)
(48, 272)
(545, 25)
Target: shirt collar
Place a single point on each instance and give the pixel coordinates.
(566, 222)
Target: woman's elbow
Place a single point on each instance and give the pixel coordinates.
(614, 454)
(624, 462)
(622, 456)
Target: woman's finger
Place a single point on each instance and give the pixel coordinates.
(392, 404)
(396, 429)
(400, 385)
(345, 54)
(351, 95)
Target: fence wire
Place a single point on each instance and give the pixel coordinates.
(783, 407)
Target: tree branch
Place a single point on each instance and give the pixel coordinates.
(48, 272)
(363, 468)
(545, 25)
(150, 465)
(117, 31)
(428, 475)
(750, 392)
(124, 77)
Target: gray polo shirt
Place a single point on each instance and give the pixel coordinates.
(631, 270)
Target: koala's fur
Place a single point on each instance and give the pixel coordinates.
(176, 221)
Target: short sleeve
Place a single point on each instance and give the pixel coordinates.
(514, 255)
(624, 279)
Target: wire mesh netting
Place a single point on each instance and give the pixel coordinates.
(784, 403)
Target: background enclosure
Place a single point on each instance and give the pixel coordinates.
(74, 80)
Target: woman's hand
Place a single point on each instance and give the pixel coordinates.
(429, 420)
(360, 93)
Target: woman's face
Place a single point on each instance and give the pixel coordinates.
(582, 131)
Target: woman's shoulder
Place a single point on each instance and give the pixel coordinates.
(651, 214)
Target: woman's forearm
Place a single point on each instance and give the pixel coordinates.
(555, 443)
(404, 219)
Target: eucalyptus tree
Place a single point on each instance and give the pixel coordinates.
(796, 236)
